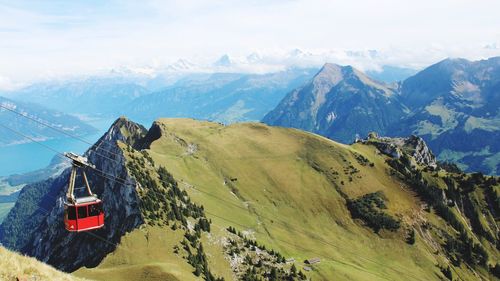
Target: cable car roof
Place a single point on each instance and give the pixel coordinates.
(87, 199)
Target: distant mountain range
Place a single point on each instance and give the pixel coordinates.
(92, 96)
(454, 105)
(181, 89)
(223, 97)
(383, 64)
(61, 121)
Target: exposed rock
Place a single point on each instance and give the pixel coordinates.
(153, 134)
(122, 130)
(413, 146)
(420, 151)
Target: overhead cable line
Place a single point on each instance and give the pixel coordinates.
(60, 131)
(60, 154)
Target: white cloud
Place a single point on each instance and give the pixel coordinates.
(7, 85)
(44, 39)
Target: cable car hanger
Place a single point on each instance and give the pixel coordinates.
(84, 213)
(77, 162)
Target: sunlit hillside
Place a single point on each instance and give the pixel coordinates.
(290, 191)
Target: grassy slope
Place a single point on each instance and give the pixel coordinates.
(18, 267)
(285, 195)
(144, 254)
(276, 179)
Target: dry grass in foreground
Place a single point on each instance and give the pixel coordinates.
(14, 266)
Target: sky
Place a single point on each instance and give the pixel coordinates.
(48, 39)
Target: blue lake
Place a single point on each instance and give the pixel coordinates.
(22, 158)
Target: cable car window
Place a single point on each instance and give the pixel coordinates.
(95, 209)
(82, 212)
(71, 211)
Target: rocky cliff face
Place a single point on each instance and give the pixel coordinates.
(41, 224)
(420, 151)
(413, 146)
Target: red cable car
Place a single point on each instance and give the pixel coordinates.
(85, 213)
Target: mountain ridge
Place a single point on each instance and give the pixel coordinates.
(258, 186)
(222, 97)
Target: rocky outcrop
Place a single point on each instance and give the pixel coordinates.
(46, 238)
(413, 146)
(420, 151)
(153, 134)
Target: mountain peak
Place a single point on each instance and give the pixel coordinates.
(330, 74)
(338, 98)
(330, 66)
(254, 57)
(451, 64)
(339, 71)
(225, 60)
(334, 73)
(454, 60)
(181, 65)
(123, 130)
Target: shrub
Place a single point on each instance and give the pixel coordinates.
(447, 272)
(411, 237)
(369, 209)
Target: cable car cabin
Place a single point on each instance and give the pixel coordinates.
(86, 214)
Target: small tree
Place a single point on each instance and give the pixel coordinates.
(293, 270)
(447, 272)
(411, 237)
(495, 270)
(197, 270)
(274, 275)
